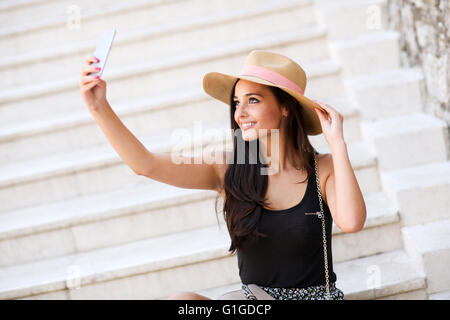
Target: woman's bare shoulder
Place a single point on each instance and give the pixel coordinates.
(325, 164)
(325, 167)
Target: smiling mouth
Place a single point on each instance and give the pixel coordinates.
(246, 127)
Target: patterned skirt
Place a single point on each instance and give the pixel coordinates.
(308, 293)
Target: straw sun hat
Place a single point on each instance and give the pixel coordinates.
(271, 69)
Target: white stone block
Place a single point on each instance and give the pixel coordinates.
(429, 246)
(407, 141)
(387, 94)
(444, 295)
(378, 276)
(54, 295)
(365, 16)
(35, 247)
(411, 295)
(367, 54)
(160, 284)
(419, 193)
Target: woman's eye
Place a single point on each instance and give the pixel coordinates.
(237, 102)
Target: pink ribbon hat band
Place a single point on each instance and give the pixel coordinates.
(270, 76)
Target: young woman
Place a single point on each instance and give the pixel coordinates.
(270, 216)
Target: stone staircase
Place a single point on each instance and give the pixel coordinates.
(77, 223)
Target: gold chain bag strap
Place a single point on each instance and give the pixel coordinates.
(321, 215)
(253, 291)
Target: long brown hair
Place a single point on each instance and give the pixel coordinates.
(244, 186)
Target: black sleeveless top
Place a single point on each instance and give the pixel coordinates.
(291, 256)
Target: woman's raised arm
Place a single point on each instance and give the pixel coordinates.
(156, 166)
(190, 175)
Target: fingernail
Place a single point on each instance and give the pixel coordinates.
(97, 68)
(97, 77)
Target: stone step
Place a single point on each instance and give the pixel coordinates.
(84, 20)
(100, 169)
(157, 42)
(429, 246)
(147, 211)
(196, 258)
(387, 94)
(384, 276)
(366, 16)
(444, 295)
(87, 223)
(92, 170)
(419, 193)
(406, 141)
(14, 14)
(185, 70)
(367, 54)
(189, 260)
(61, 133)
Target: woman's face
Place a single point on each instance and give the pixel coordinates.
(256, 104)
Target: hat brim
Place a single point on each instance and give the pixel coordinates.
(218, 85)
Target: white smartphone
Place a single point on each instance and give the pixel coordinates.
(101, 52)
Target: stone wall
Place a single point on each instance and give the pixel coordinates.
(424, 42)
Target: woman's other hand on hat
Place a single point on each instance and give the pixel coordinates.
(92, 88)
(332, 124)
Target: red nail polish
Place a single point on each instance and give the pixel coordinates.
(97, 77)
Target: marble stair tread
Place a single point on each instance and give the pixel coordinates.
(89, 13)
(444, 295)
(81, 159)
(364, 39)
(430, 237)
(164, 252)
(385, 78)
(415, 122)
(97, 207)
(359, 153)
(422, 176)
(152, 31)
(58, 121)
(397, 274)
(344, 4)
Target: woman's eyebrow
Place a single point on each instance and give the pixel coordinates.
(251, 94)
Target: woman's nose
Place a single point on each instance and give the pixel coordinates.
(240, 114)
(242, 110)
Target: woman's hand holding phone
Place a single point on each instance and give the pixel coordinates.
(92, 88)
